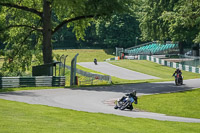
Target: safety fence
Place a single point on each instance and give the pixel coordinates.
(92, 75)
(37, 81)
(172, 64)
(190, 60)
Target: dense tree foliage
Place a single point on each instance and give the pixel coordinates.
(176, 20)
(184, 21)
(152, 26)
(32, 23)
(119, 31)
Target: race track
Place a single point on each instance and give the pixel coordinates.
(100, 99)
(116, 71)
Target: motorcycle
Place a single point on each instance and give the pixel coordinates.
(95, 61)
(126, 102)
(178, 79)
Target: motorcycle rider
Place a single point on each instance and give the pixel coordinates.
(95, 61)
(178, 71)
(132, 97)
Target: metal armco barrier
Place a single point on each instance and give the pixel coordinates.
(15, 82)
(92, 75)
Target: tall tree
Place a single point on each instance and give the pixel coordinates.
(152, 26)
(120, 31)
(43, 18)
(176, 20)
(184, 23)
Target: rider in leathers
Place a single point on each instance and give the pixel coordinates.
(178, 71)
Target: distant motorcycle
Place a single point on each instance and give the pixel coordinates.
(178, 79)
(95, 61)
(126, 102)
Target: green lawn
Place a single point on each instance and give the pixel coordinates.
(16, 117)
(185, 104)
(27, 88)
(85, 55)
(150, 68)
(88, 70)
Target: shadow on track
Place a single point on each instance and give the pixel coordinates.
(145, 88)
(19, 93)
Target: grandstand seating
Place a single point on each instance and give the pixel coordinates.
(152, 48)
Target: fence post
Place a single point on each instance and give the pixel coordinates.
(73, 70)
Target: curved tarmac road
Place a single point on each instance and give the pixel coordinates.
(116, 71)
(100, 99)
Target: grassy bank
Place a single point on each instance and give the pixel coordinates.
(16, 117)
(85, 55)
(27, 88)
(185, 104)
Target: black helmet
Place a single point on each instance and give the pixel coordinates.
(133, 92)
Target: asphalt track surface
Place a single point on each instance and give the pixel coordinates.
(116, 71)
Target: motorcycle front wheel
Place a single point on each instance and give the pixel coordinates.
(176, 81)
(124, 105)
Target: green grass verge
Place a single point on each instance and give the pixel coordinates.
(150, 68)
(16, 117)
(185, 104)
(27, 88)
(88, 70)
(85, 55)
(118, 81)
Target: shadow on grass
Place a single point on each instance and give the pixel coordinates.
(7, 90)
(25, 88)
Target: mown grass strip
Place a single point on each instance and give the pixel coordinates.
(27, 88)
(184, 104)
(85, 55)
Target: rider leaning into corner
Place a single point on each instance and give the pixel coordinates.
(178, 71)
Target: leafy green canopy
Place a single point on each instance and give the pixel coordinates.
(176, 20)
(30, 24)
(184, 21)
(120, 31)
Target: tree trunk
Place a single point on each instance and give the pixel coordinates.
(180, 46)
(197, 49)
(47, 46)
